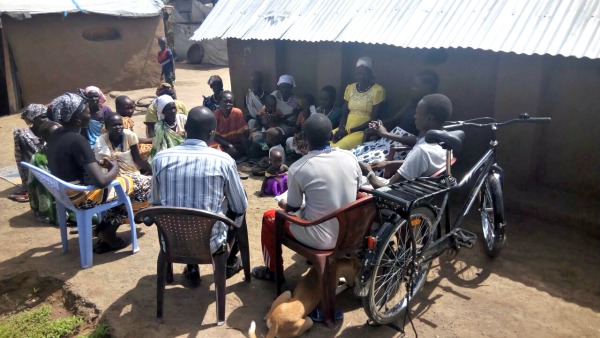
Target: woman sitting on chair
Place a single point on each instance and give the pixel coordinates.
(71, 159)
(362, 104)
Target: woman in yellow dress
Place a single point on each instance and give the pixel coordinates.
(362, 104)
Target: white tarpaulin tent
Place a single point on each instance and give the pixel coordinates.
(129, 8)
(187, 20)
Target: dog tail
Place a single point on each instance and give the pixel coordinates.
(252, 330)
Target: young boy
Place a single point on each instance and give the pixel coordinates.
(166, 60)
(125, 107)
(425, 158)
(274, 138)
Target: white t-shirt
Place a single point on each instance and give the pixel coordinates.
(327, 179)
(423, 160)
(122, 154)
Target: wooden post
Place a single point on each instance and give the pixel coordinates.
(13, 105)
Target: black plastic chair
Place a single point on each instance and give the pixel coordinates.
(184, 236)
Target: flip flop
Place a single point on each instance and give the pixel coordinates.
(318, 316)
(21, 197)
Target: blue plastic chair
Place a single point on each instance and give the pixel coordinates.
(58, 188)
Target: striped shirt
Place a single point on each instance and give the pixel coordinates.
(193, 175)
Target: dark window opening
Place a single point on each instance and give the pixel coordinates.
(101, 34)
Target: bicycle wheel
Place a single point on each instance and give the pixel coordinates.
(492, 216)
(387, 295)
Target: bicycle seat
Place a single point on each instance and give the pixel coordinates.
(450, 140)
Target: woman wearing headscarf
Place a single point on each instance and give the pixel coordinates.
(286, 101)
(27, 143)
(169, 131)
(152, 115)
(98, 112)
(71, 159)
(362, 104)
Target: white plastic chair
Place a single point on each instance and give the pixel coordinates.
(58, 188)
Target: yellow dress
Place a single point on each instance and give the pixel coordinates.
(360, 106)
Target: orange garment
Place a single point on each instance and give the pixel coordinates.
(232, 127)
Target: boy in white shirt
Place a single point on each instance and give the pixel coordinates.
(425, 158)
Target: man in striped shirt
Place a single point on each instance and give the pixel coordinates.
(193, 175)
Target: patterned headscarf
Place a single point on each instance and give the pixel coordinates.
(101, 97)
(32, 111)
(65, 106)
(161, 102)
(165, 88)
(213, 79)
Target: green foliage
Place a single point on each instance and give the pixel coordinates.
(101, 331)
(36, 323)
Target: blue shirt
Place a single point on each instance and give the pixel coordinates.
(192, 175)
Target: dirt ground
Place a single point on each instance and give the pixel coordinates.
(545, 284)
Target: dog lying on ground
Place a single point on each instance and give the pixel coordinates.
(288, 314)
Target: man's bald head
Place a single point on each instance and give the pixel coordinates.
(201, 123)
(317, 131)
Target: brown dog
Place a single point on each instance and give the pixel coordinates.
(288, 315)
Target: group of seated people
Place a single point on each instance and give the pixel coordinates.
(188, 158)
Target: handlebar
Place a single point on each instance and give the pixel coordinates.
(523, 118)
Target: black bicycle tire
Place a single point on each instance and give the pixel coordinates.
(144, 105)
(368, 301)
(492, 189)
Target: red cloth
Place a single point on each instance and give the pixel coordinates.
(267, 238)
(232, 127)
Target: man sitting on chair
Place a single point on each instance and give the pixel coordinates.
(326, 179)
(425, 158)
(195, 176)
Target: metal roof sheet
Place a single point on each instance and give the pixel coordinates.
(555, 27)
(131, 8)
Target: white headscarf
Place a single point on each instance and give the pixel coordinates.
(285, 78)
(161, 102)
(365, 61)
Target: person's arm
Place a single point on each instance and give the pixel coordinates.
(135, 154)
(223, 142)
(155, 188)
(234, 191)
(295, 196)
(98, 178)
(382, 131)
(342, 126)
(383, 164)
(375, 181)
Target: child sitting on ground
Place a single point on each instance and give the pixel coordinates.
(274, 138)
(275, 182)
(297, 144)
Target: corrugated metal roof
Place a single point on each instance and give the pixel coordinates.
(555, 27)
(22, 9)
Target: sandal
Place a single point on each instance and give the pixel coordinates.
(21, 197)
(232, 270)
(263, 273)
(318, 316)
(103, 247)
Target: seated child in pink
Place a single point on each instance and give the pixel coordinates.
(275, 182)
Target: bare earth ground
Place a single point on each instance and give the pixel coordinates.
(545, 284)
